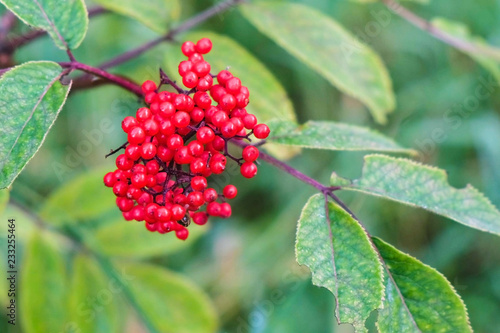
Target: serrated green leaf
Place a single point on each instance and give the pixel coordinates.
(268, 99)
(460, 30)
(43, 287)
(418, 298)
(427, 187)
(140, 243)
(65, 21)
(31, 99)
(333, 136)
(94, 300)
(155, 14)
(82, 198)
(329, 49)
(170, 301)
(341, 258)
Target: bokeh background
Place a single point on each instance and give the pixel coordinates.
(246, 264)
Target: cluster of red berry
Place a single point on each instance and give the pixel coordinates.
(177, 142)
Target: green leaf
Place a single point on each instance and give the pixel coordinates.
(170, 301)
(94, 300)
(32, 92)
(82, 198)
(418, 298)
(155, 14)
(329, 49)
(140, 243)
(372, 1)
(427, 187)
(65, 21)
(461, 31)
(268, 99)
(341, 258)
(332, 136)
(43, 288)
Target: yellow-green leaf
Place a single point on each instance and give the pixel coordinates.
(171, 303)
(427, 187)
(418, 298)
(341, 258)
(31, 99)
(155, 14)
(65, 21)
(326, 47)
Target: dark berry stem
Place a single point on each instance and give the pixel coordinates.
(291, 171)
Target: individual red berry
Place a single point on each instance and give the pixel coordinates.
(195, 199)
(128, 215)
(204, 46)
(198, 165)
(200, 218)
(139, 168)
(238, 124)
(219, 143)
(230, 191)
(167, 110)
(148, 86)
(210, 195)
(165, 154)
(136, 135)
(150, 181)
(190, 80)
(182, 156)
(182, 234)
(250, 153)
(217, 92)
(233, 85)
(261, 131)
(219, 118)
(150, 127)
(120, 189)
(150, 211)
(178, 212)
(167, 128)
(224, 76)
(214, 208)
(188, 48)
(133, 192)
(148, 151)
(143, 113)
(217, 165)
(138, 213)
(195, 148)
(185, 67)
(152, 167)
(248, 170)
(162, 214)
(227, 102)
(175, 141)
(145, 199)
(199, 183)
(205, 83)
(205, 135)
(249, 121)
(128, 123)
(228, 129)
(201, 68)
(197, 115)
(225, 210)
(181, 119)
(138, 180)
(195, 57)
(109, 179)
(202, 99)
(124, 163)
(241, 100)
(152, 226)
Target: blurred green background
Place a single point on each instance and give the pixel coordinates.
(246, 264)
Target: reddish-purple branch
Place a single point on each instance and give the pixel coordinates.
(118, 80)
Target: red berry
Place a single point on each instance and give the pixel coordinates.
(250, 153)
(233, 85)
(202, 99)
(182, 156)
(109, 179)
(249, 121)
(185, 67)
(138, 213)
(227, 102)
(167, 110)
(124, 163)
(214, 209)
(148, 86)
(201, 68)
(190, 80)
(199, 183)
(195, 148)
(195, 57)
(136, 135)
(210, 195)
(195, 199)
(148, 151)
(204, 46)
(138, 180)
(248, 170)
(205, 83)
(225, 210)
(150, 127)
(162, 214)
(128, 123)
(224, 76)
(182, 234)
(152, 167)
(200, 218)
(230, 191)
(143, 113)
(120, 189)
(181, 119)
(188, 48)
(175, 141)
(205, 135)
(178, 212)
(261, 131)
